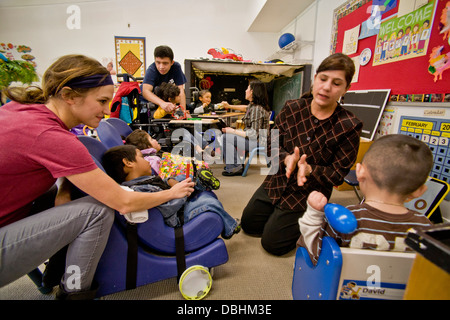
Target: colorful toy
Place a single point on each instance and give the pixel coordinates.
(219, 54)
(438, 62)
(179, 114)
(340, 218)
(2, 57)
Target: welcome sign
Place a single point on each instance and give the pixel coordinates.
(405, 37)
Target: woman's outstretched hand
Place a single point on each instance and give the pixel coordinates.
(295, 160)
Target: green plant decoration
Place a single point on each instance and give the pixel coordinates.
(16, 70)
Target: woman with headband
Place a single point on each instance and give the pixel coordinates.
(36, 149)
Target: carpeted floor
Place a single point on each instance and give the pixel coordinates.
(250, 273)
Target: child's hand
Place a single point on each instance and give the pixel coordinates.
(183, 189)
(168, 107)
(225, 104)
(317, 200)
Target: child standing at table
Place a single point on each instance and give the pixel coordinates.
(393, 171)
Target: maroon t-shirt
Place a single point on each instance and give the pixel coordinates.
(36, 148)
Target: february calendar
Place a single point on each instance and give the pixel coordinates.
(436, 134)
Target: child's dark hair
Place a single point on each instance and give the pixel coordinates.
(398, 163)
(167, 91)
(139, 139)
(113, 164)
(163, 52)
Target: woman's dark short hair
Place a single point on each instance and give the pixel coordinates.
(339, 61)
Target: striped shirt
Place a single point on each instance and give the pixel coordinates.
(331, 146)
(255, 118)
(376, 230)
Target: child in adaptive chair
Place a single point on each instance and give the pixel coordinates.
(171, 93)
(127, 166)
(151, 150)
(393, 171)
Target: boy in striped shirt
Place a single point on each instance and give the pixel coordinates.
(393, 171)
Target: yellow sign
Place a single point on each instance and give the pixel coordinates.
(445, 127)
(425, 125)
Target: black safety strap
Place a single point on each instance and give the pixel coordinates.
(132, 255)
(179, 245)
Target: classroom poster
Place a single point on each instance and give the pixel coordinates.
(351, 41)
(404, 37)
(371, 26)
(130, 55)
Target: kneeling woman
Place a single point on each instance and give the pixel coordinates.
(36, 148)
(257, 117)
(318, 143)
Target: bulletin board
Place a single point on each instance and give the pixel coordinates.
(405, 73)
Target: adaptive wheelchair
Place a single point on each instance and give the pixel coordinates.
(144, 253)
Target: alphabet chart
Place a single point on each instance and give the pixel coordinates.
(436, 134)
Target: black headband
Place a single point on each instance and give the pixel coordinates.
(96, 80)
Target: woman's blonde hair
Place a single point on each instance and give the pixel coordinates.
(56, 77)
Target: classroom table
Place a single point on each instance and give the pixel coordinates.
(191, 124)
(226, 117)
(192, 121)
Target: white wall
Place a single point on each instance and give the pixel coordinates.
(190, 27)
(314, 24)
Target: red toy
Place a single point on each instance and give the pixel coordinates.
(217, 53)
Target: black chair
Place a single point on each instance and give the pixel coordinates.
(351, 180)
